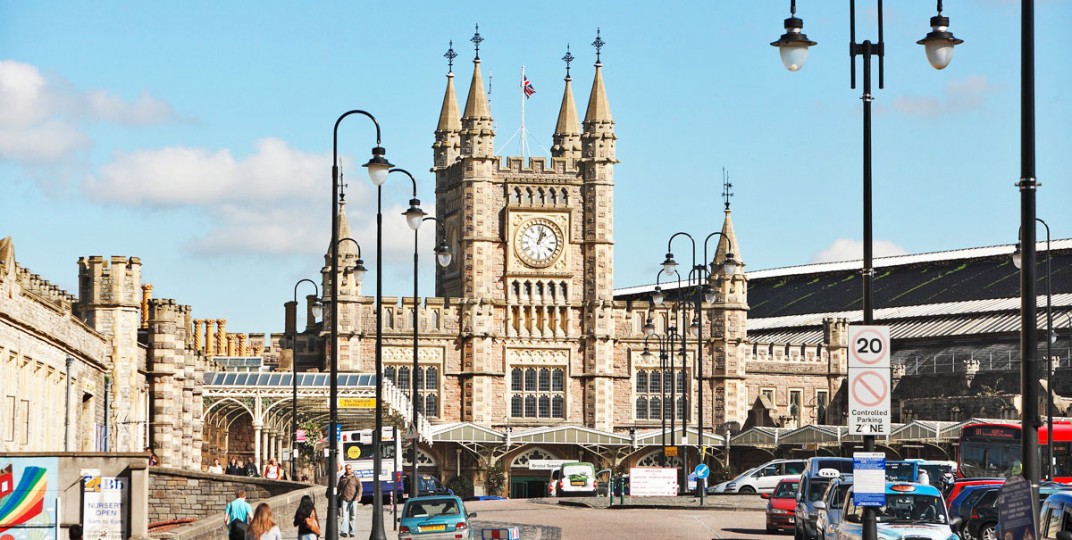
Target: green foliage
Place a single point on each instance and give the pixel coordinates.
(495, 479)
(462, 486)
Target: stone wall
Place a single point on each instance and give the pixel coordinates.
(283, 508)
(177, 494)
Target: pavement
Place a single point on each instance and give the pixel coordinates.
(734, 502)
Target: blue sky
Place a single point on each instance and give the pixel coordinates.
(197, 135)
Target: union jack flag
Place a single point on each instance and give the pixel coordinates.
(526, 87)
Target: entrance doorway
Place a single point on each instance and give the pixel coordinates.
(528, 487)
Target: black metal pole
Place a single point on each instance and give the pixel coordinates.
(870, 531)
(701, 483)
(378, 532)
(413, 480)
(1028, 297)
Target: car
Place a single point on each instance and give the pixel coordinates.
(721, 486)
(982, 520)
(426, 485)
(900, 470)
(829, 508)
(576, 478)
(960, 485)
(762, 479)
(968, 497)
(552, 484)
(435, 517)
(912, 510)
(817, 475)
(780, 504)
(1055, 517)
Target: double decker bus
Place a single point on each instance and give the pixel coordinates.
(356, 450)
(993, 449)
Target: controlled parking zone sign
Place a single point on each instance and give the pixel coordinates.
(869, 380)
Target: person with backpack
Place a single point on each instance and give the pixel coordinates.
(238, 513)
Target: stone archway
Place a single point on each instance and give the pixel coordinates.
(526, 482)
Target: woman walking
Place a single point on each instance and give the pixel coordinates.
(306, 521)
(262, 527)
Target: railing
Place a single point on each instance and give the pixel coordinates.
(953, 363)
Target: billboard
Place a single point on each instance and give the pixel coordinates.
(28, 492)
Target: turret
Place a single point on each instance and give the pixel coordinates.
(477, 135)
(448, 132)
(597, 142)
(567, 137)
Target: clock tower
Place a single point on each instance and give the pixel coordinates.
(533, 241)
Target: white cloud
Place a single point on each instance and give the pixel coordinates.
(844, 249)
(961, 95)
(43, 121)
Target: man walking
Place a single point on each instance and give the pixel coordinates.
(238, 513)
(349, 490)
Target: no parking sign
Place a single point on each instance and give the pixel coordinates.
(869, 380)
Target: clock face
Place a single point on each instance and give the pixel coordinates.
(539, 243)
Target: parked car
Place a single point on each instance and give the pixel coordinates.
(817, 475)
(829, 508)
(426, 485)
(960, 485)
(437, 517)
(721, 486)
(982, 519)
(912, 510)
(1055, 517)
(764, 478)
(577, 478)
(968, 497)
(780, 504)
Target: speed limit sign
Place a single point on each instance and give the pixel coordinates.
(869, 347)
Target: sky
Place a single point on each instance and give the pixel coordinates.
(197, 135)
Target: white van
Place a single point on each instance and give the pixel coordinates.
(576, 479)
(764, 478)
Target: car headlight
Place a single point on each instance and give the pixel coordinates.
(778, 511)
(731, 485)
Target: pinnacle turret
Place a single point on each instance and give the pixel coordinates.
(597, 142)
(478, 135)
(567, 136)
(448, 131)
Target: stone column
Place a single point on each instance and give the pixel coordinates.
(210, 337)
(198, 325)
(257, 444)
(242, 349)
(146, 294)
(221, 336)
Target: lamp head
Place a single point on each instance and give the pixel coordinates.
(793, 45)
(669, 265)
(694, 328)
(359, 270)
(729, 265)
(939, 42)
(414, 216)
(649, 328)
(1017, 256)
(378, 166)
(443, 254)
(317, 309)
(708, 293)
(657, 297)
(646, 354)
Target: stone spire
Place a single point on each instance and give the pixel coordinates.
(597, 142)
(728, 239)
(477, 136)
(448, 132)
(567, 137)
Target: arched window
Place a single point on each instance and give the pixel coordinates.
(565, 196)
(522, 461)
(515, 406)
(655, 408)
(545, 406)
(554, 198)
(537, 392)
(403, 380)
(680, 382)
(558, 407)
(516, 380)
(656, 380)
(530, 380)
(431, 405)
(389, 373)
(516, 198)
(530, 406)
(642, 408)
(545, 380)
(557, 376)
(420, 378)
(642, 382)
(656, 459)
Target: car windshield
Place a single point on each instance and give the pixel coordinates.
(818, 489)
(909, 508)
(431, 507)
(786, 490)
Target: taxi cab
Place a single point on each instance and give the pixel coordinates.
(912, 510)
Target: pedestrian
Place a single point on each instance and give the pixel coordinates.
(349, 490)
(233, 468)
(271, 470)
(153, 460)
(305, 519)
(237, 515)
(924, 477)
(251, 469)
(215, 468)
(262, 527)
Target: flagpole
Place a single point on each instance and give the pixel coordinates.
(524, 135)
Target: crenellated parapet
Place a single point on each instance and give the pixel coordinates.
(175, 373)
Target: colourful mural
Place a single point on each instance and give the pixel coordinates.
(28, 488)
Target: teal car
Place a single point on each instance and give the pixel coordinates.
(912, 510)
(435, 517)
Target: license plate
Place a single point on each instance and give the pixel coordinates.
(577, 483)
(433, 528)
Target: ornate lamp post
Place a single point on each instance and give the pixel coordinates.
(699, 279)
(377, 170)
(939, 45)
(314, 313)
(1017, 260)
(443, 258)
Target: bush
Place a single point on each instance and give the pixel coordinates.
(461, 486)
(495, 480)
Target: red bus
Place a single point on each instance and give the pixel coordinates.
(993, 449)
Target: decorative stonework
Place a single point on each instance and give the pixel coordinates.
(425, 354)
(537, 356)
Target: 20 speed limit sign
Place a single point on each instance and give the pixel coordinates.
(869, 380)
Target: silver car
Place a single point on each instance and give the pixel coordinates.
(830, 507)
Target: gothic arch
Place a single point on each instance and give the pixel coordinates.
(522, 460)
(424, 459)
(655, 459)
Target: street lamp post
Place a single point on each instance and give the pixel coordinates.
(294, 379)
(938, 44)
(699, 279)
(377, 170)
(679, 314)
(443, 258)
(1017, 260)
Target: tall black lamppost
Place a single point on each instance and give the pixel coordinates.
(649, 333)
(377, 170)
(793, 48)
(699, 280)
(414, 217)
(675, 343)
(1017, 261)
(443, 258)
(314, 313)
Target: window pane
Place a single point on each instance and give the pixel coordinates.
(557, 407)
(656, 380)
(681, 381)
(642, 383)
(431, 382)
(545, 380)
(656, 408)
(516, 380)
(403, 379)
(557, 377)
(642, 408)
(530, 407)
(668, 382)
(420, 377)
(431, 407)
(530, 379)
(545, 407)
(389, 373)
(419, 402)
(515, 406)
